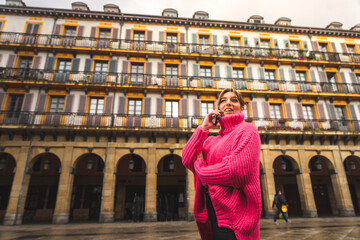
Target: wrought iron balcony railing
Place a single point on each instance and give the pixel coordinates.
(59, 41)
(155, 121)
(145, 80)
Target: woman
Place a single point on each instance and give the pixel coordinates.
(226, 172)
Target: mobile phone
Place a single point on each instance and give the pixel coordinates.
(215, 120)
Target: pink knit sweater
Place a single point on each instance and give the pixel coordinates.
(231, 171)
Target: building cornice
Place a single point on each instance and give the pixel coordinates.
(190, 22)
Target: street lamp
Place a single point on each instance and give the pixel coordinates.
(172, 163)
(46, 164)
(283, 165)
(90, 164)
(131, 163)
(318, 165)
(352, 165)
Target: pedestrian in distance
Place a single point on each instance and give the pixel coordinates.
(226, 172)
(279, 203)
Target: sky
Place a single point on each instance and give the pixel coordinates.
(305, 13)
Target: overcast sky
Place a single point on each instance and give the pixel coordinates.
(307, 13)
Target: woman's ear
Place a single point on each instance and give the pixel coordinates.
(242, 108)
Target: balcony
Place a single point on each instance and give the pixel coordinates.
(12, 39)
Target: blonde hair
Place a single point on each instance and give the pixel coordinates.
(237, 94)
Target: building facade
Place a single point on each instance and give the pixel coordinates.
(96, 107)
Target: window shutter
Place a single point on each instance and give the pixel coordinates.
(313, 76)
(331, 110)
(194, 38)
(321, 111)
(343, 81)
(159, 107)
(122, 105)
(196, 70)
(354, 117)
(147, 106)
(333, 47)
(115, 33)
(246, 42)
(214, 40)
(266, 108)
(69, 103)
(316, 46)
(148, 66)
(149, 36)
(254, 110)
(88, 65)
(11, 61)
(27, 102)
(305, 46)
(183, 70)
(184, 107)
(82, 104)
(80, 31)
(323, 77)
(286, 44)
(249, 73)
(49, 65)
(344, 47)
(57, 29)
(288, 113)
(226, 40)
(125, 67)
(197, 108)
(261, 73)
(256, 42)
(182, 38)
(36, 28)
(113, 66)
(217, 71)
(93, 32)
(276, 44)
(229, 72)
(75, 65)
(128, 35)
(29, 28)
(281, 74)
(299, 111)
(108, 104)
(2, 97)
(292, 74)
(40, 106)
(161, 37)
(36, 62)
(160, 70)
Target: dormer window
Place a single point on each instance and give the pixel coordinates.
(256, 19)
(334, 25)
(283, 21)
(112, 8)
(17, 3)
(170, 12)
(201, 15)
(80, 6)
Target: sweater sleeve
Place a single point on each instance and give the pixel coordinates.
(236, 169)
(193, 147)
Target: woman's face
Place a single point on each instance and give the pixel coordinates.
(229, 104)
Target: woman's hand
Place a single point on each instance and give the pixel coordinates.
(208, 121)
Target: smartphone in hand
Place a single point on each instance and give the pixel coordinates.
(215, 120)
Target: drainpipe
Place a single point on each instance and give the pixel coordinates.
(121, 25)
(23, 181)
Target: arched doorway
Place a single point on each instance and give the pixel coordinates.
(285, 170)
(171, 182)
(7, 171)
(130, 188)
(42, 190)
(87, 188)
(352, 168)
(320, 170)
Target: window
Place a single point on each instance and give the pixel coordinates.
(139, 36)
(301, 76)
(101, 66)
(64, 65)
(308, 112)
(205, 72)
(324, 50)
(265, 44)
(70, 31)
(204, 42)
(351, 49)
(171, 38)
(137, 73)
(238, 73)
(171, 70)
(24, 66)
(340, 113)
(270, 75)
(235, 42)
(294, 45)
(172, 109)
(56, 104)
(206, 108)
(14, 106)
(104, 33)
(134, 107)
(275, 111)
(96, 105)
(332, 81)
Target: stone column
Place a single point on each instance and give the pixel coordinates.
(17, 198)
(108, 193)
(150, 214)
(305, 187)
(63, 198)
(341, 188)
(267, 183)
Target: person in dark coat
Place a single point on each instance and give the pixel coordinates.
(278, 202)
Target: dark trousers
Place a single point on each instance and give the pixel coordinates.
(279, 210)
(218, 233)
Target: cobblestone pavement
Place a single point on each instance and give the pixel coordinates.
(299, 228)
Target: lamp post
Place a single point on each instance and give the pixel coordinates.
(318, 165)
(352, 165)
(90, 164)
(283, 165)
(46, 164)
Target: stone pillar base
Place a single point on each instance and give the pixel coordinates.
(60, 218)
(269, 214)
(10, 220)
(310, 213)
(347, 212)
(107, 217)
(190, 216)
(150, 216)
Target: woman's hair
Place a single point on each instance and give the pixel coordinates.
(238, 95)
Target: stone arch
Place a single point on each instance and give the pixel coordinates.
(352, 170)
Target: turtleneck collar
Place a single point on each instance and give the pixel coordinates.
(228, 123)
